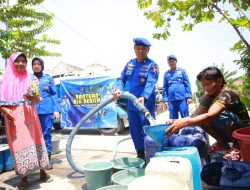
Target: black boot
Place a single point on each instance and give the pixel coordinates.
(50, 167)
(141, 154)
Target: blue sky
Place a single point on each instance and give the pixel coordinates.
(100, 31)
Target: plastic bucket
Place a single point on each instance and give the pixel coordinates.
(114, 187)
(55, 144)
(243, 137)
(158, 182)
(127, 163)
(98, 174)
(157, 133)
(124, 177)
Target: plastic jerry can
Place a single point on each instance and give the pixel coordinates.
(174, 165)
(190, 153)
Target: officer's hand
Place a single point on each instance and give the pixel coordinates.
(57, 115)
(189, 100)
(142, 100)
(166, 105)
(116, 94)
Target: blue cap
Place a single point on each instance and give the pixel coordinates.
(171, 57)
(141, 41)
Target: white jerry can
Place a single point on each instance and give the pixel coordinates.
(174, 165)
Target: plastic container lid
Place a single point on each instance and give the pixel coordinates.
(127, 163)
(124, 177)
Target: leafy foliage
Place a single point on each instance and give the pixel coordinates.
(26, 29)
(193, 12)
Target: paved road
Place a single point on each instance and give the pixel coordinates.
(87, 146)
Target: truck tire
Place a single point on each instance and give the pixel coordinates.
(113, 131)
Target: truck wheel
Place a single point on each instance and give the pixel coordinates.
(113, 131)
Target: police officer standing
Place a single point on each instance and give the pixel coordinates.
(141, 74)
(49, 107)
(176, 90)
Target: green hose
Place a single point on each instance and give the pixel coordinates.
(125, 95)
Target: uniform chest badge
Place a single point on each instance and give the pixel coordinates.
(46, 88)
(142, 79)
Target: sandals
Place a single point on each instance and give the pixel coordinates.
(234, 154)
(216, 147)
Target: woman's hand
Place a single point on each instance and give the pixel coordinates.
(177, 125)
(32, 98)
(8, 113)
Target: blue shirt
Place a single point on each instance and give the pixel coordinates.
(50, 101)
(141, 78)
(176, 85)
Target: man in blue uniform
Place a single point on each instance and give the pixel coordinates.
(49, 107)
(176, 90)
(141, 74)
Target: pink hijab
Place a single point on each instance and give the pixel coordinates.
(14, 84)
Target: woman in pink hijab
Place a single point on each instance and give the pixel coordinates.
(18, 95)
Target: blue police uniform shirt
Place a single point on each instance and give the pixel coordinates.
(50, 101)
(176, 85)
(141, 78)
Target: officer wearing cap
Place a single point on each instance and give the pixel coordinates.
(141, 73)
(176, 89)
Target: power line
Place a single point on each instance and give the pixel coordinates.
(72, 29)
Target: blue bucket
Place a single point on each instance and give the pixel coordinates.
(1, 161)
(190, 153)
(157, 133)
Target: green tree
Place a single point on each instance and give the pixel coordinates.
(193, 12)
(26, 29)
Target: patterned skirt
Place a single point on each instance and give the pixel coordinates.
(25, 140)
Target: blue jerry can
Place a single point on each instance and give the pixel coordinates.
(8, 164)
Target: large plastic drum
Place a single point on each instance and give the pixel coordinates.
(177, 166)
(158, 182)
(124, 177)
